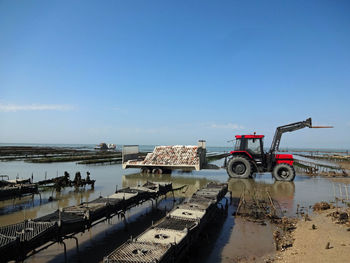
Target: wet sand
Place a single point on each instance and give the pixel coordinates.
(310, 244)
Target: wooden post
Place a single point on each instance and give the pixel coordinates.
(346, 191)
(59, 218)
(340, 192)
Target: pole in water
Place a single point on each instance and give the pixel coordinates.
(346, 191)
(77, 246)
(65, 251)
(59, 217)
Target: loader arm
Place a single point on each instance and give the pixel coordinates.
(287, 128)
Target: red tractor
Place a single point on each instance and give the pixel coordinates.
(249, 156)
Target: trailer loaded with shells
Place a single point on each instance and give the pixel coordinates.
(163, 159)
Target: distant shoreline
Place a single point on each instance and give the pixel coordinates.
(151, 146)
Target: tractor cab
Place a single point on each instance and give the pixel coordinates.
(253, 145)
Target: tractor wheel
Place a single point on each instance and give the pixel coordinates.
(157, 171)
(283, 172)
(145, 170)
(239, 167)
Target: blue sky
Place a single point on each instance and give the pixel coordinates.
(173, 72)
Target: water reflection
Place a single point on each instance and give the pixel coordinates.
(17, 204)
(193, 183)
(17, 210)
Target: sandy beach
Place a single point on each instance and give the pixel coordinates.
(310, 244)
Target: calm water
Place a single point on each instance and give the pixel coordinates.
(304, 191)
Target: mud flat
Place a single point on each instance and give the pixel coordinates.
(22, 152)
(58, 154)
(322, 239)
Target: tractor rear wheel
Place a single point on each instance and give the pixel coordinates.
(283, 172)
(239, 167)
(157, 171)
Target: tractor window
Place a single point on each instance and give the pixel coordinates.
(238, 145)
(254, 146)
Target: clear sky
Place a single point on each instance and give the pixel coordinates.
(173, 72)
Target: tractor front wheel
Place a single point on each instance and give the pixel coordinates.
(283, 172)
(239, 167)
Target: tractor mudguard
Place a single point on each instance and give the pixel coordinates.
(284, 158)
(242, 153)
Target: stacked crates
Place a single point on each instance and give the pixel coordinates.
(170, 238)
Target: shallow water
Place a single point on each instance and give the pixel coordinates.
(304, 191)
